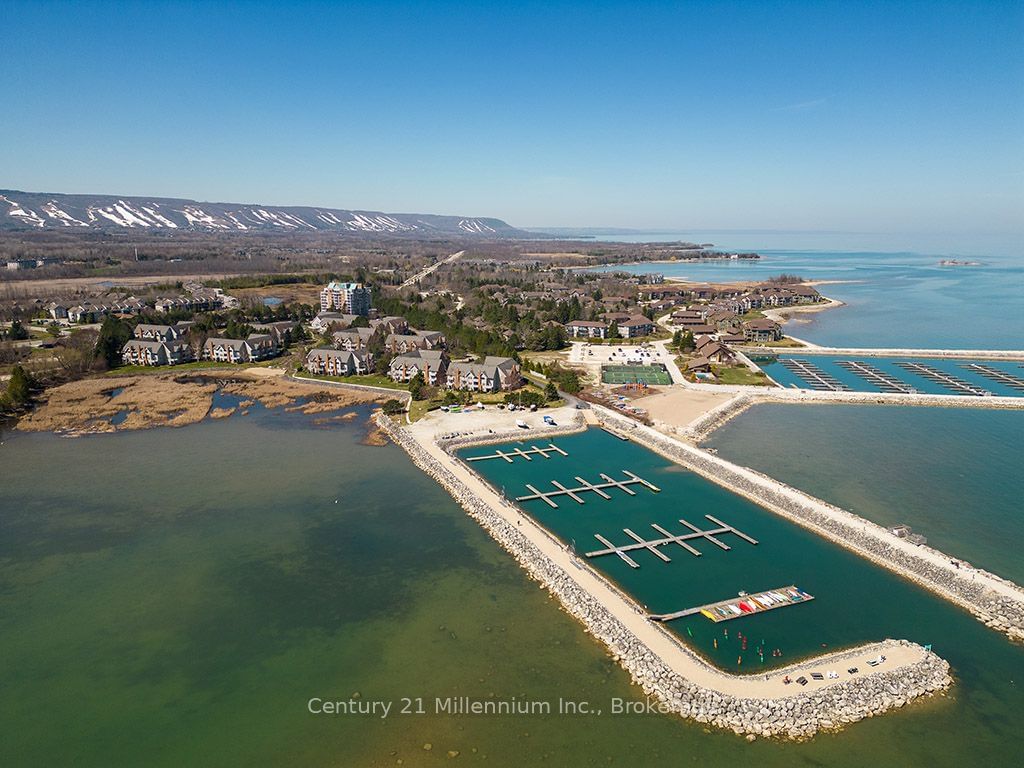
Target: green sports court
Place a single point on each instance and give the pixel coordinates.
(632, 374)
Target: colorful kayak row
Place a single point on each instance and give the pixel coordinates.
(758, 603)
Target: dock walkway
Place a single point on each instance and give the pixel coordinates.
(585, 485)
(651, 545)
(743, 605)
(533, 449)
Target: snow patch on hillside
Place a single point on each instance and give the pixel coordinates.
(163, 220)
(25, 214)
(474, 226)
(52, 210)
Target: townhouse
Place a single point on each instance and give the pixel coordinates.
(153, 332)
(635, 327)
(762, 330)
(588, 329)
(156, 351)
(251, 349)
(432, 363)
(492, 375)
(327, 361)
(352, 338)
(326, 321)
(283, 331)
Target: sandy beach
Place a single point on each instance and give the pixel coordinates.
(786, 314)
(678, 406)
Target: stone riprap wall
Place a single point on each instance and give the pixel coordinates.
(938, 354)
(796, 716)
(701, 428)
(1000, 610)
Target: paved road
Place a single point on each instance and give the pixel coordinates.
(427, 270)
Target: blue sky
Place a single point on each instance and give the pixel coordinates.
(881, 117)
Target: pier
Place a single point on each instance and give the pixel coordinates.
(586, 486)
(744, 605)
(1004, 378)
(682, 539)
(814, 377)
(873, 375)
(613, 433)
(949, 381)
(533, 449)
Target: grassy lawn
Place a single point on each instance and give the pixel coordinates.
(369, 380)
(419, 408)
(752, 314)
(375, 380)
(785, 341)
(739, 375)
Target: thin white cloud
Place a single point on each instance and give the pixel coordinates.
(800, 106)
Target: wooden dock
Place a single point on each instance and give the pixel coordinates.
(586, 486)
(745, 605)
(533, 449)
(950, 382)
(682, 539)
(989, 372)
(814, 376)
(873, 375)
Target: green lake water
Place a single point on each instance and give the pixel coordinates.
(175, 596)
(952, 474)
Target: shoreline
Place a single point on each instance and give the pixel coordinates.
(659, 662)
(702, 427)
(782, 315)
(120, 403)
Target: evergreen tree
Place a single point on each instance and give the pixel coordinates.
(114, 334)
(416, 384)
(17, 331)
(550, 392)
(18, 387)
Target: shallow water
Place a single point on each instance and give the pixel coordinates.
(953, 474)
(176, 596)
(903, 300)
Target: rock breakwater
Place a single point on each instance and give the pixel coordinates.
(794, 715)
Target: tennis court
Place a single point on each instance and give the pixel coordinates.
(632, 374)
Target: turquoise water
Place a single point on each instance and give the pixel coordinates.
(953, 474)
(892, 299)
(846, 609)
(887, 365)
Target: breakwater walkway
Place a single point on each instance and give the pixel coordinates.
(955, 354)
(658, 661)
(746, 397)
